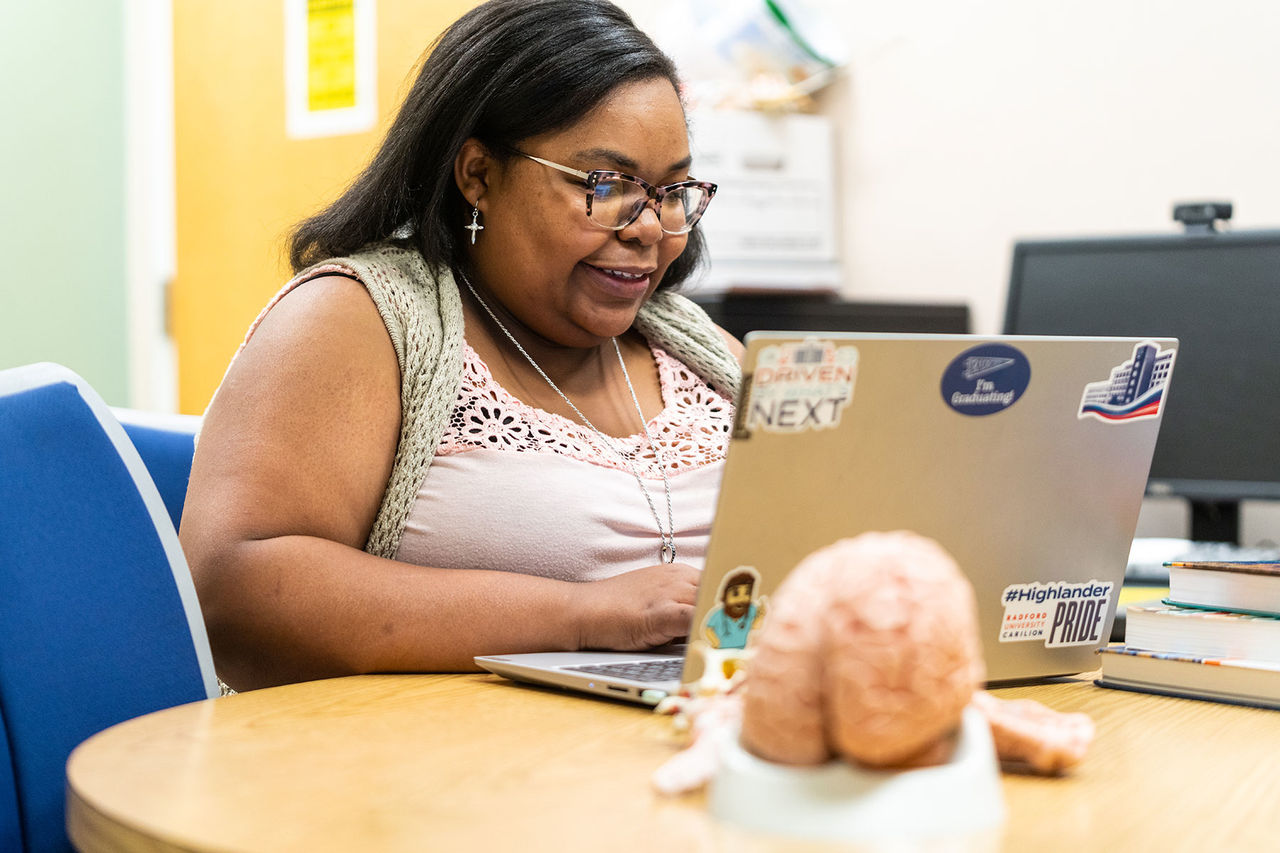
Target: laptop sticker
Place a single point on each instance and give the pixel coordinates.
(986, 379)
(739, 610)
(1058, 613)
(801, 385)
(1134, 390)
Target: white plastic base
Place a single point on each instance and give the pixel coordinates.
(838, 801)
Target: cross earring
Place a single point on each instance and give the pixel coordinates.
(475, 225)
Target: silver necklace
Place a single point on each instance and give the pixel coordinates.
(667, 552)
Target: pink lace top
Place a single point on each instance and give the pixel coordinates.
(691, 431)
(517, 488)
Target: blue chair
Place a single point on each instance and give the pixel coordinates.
(10, 817)
(166, 444)
(99, 620)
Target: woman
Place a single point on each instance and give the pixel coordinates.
(477, 421)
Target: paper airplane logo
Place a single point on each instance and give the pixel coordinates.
(984, 365)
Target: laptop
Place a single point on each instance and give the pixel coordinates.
(1025, 457)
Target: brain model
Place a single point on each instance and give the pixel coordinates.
(870, 653)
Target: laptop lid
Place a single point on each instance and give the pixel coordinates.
(1025, 457)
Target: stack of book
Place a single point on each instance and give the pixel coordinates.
(1217, 636)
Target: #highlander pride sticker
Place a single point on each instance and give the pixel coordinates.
(1058, 613)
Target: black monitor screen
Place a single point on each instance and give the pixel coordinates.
(1219, 294)
(740, 313)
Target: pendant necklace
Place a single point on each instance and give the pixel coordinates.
(666, 553)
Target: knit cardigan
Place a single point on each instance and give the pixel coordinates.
(422, 311)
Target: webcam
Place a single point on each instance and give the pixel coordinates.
(1202, 216)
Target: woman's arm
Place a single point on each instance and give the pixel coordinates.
(294, 455)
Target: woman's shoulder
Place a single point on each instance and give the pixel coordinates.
(735, 346)
(680, 326)
(414, 298)
(381, 265)
(329, 304)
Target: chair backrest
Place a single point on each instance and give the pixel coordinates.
(10, 816)
(99, 620)
(166, 444)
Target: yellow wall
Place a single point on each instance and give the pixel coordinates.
(241, 184)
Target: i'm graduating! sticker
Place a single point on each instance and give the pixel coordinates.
(986, 379)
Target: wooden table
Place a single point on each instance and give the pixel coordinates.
(472, 762)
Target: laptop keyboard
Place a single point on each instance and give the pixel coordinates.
(666, 669)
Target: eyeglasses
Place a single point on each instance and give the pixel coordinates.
(615, 200)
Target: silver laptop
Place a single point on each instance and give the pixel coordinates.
(1025, 457)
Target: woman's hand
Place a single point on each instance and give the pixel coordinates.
(639, 609)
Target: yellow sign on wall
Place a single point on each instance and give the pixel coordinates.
(331, 54)
(242, 181)
(330, 67)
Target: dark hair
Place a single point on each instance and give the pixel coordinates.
(505, 71)
(740, 579)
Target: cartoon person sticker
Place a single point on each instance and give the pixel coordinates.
(730, 622)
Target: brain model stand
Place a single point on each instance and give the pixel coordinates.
(860, 714)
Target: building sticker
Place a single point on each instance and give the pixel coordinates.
(986, 379)
(801, 385)
(1135, 389)
(1056, 613)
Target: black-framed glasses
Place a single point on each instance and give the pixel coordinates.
(615, 199)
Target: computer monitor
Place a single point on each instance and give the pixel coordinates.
(740, 313)
(1219, 293)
